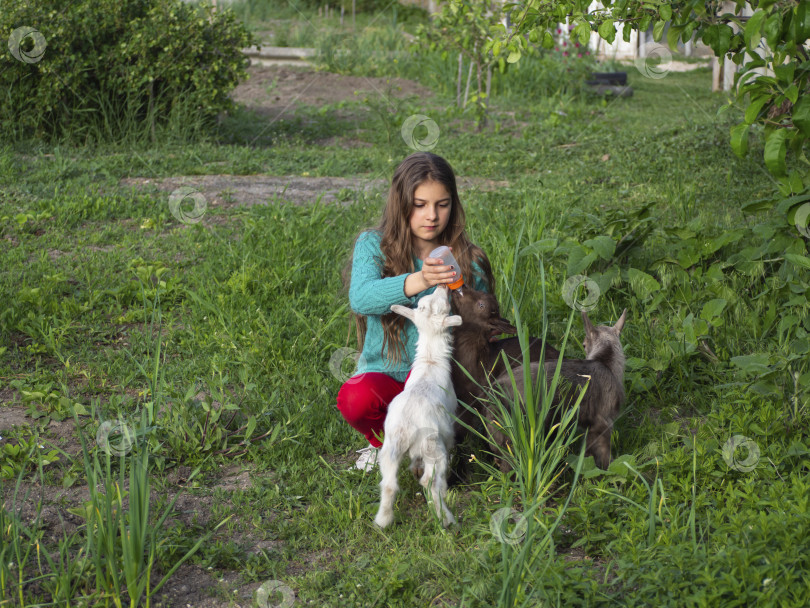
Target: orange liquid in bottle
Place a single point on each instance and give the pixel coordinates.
(456, 284)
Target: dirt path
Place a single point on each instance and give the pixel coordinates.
(249, 190)
(277, 91)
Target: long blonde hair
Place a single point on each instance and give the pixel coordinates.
(396, 242)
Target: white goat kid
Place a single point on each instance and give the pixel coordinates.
(420, 419)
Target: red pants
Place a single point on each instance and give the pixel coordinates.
(363, 401)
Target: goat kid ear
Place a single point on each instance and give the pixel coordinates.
(453, 321)
(587, 322)
(503, 326)
(403, 311)
(620, 323)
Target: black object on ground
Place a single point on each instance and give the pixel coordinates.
(615, 78)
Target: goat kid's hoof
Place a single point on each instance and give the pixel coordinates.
(384, 521)
(449, 521)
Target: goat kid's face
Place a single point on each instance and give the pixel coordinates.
(597, 337)
(481, 310)
(432, 313)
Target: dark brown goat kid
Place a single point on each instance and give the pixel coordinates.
(473, 351)
(602, 369)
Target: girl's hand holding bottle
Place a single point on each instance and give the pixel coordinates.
(441, 268)
(434, 272)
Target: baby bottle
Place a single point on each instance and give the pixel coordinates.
(444, 254)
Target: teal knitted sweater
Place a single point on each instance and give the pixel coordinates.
(372, 295)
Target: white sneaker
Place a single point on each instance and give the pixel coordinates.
(368, 458)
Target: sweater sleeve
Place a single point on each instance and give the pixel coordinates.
(369, 292)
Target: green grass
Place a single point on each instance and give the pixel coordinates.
(252, 308)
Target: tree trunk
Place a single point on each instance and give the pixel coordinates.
(489, 81)
(458, 81)
(480, 102)
(480, 88)
(467, 88)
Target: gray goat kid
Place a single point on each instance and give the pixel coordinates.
(603, 371)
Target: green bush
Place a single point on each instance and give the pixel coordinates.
(112, 64)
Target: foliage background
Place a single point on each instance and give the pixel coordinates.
(110, 62)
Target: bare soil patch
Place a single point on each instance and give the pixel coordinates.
(249, 190)
(58, 433)
(203, 588)
(11, 416)
(278, 91)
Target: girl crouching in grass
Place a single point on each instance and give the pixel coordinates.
(390, 265)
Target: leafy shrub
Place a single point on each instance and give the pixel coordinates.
(112, 63)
